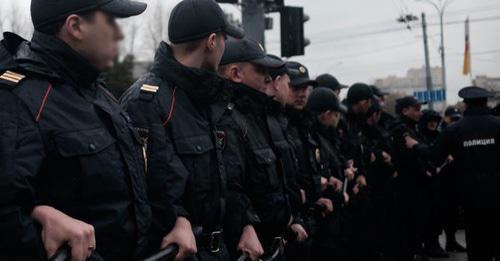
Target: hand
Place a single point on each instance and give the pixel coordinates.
(59, 229)
(410, 142)
(324, 183)
(346, 198)
(387, 157)
(328, 205)
(250, 244)
(361, 181)
(372, 157)
(355, 189)
(449, 159)
(349, 173)
(336, 183)
(181, 235)
(301, 232)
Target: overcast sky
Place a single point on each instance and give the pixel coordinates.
(345, 42)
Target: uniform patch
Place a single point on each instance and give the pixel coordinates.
(478, 142)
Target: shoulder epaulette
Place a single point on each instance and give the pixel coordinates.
(149, 88)
(11, 78)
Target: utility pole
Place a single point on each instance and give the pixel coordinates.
(440, 8)
(428, 76)
(253, 16)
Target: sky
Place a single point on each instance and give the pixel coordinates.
(347, 40)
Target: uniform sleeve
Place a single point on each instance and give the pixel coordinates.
(166, 176)
(21, 154)
(236, 154)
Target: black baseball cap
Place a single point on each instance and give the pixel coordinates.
(406, 102)
(358, 92)
(474, 92)
(430, 116)
(45, 12)
(452, 112)
(377, 92)
(323, 99)
(194, 19)
(299, 75)
(328, 80)
(246, 50)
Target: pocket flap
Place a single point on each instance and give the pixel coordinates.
(194, 145)
(83, 142)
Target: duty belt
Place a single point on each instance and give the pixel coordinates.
(211, 241)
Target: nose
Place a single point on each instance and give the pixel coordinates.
(118, 33)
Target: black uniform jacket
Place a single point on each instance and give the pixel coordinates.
(66, 143)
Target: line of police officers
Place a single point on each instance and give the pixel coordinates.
(222, 150)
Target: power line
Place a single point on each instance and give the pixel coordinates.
(399, 29)
(369, 52)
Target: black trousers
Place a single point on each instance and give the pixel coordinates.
(482, 229)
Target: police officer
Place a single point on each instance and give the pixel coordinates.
(271, 182)
(386, 120)
(178, 106)
(71, 168)
(326, 109)
(473, 143)
(428, 127)
(410, 206)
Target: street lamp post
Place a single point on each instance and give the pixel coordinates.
(440, 8)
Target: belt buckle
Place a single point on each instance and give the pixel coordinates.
(215, 241)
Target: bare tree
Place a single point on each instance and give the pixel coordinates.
(157, 25)
(131, 29)
(18, 20)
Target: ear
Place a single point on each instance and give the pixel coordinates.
(212, 41)
(405, 111)
(73, 27)
(276, 82)
(235, 74)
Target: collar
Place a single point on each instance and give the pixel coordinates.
(476, 111)
(67, 63)
(204, 87)
(248, 99)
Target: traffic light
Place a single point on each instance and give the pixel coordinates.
(292, 31)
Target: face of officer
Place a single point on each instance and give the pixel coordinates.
(432, 125)
(329, 118)
(373, 119)
(95, 38)
(362, 107)
(413, 112)
(252, 75)
(280, 89)
(298, 96)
